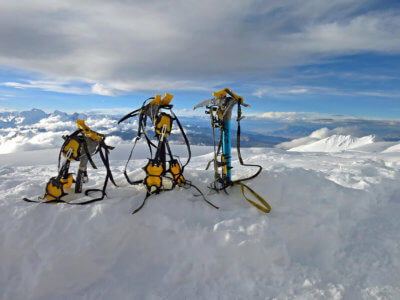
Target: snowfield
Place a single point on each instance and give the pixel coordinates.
(333, 232)
(335, 143)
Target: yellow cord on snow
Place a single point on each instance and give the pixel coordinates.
(265, 207)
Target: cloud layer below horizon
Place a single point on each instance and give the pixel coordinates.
(36, 129)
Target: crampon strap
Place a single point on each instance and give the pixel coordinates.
(217, 111)
(156, 169)
(56, 185)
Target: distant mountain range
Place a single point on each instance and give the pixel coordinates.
(36, 121)
(37, 129)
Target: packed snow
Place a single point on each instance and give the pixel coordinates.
(333, 232)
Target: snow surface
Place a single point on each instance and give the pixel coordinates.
(394, 148)
(333, 232)
(335, 143)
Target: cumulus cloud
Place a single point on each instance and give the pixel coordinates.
(35, 129)
(27, 140)
(114, 140)
(119, 46)
(54, 123)
(100, 89)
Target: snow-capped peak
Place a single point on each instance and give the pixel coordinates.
(336, 143)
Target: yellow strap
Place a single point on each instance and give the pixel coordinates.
(167, 99)
(164, 101)
(237, 97)
(156, 101)
(86, 130)
(265, 208)
(222, 93)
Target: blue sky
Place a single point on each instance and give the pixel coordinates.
(311, 58)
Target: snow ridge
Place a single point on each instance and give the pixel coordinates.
(394, 148)
(335, 143)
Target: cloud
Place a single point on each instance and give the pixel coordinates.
(260, 93)
(189, 112)
(293, 116)
(100, 89)
(4, 97)
(183, 44)
(54, 123)
(276, 91)
(278, 115)
(368, 32)
(113, 88)
(34, 129)
(114, 140)
(298, 91)
(380, 94)
(50, 86)
(120, 111)
(26, 140)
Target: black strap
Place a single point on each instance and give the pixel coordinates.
(169, 150)
(135, 112)
(217, 177)
(239, 153)
(130, 115)
(126, 165)
(164, 143)
(159, 150)
(32, 201)
(105, 159)
(141, 131)
(64, 170)
(201, 193)
(78, 181)
(185, 138)
(187, 183)
(141, 206)
(143, 122)
(89, 157)
(62, 201)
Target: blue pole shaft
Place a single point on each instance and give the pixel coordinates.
(226, 146)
